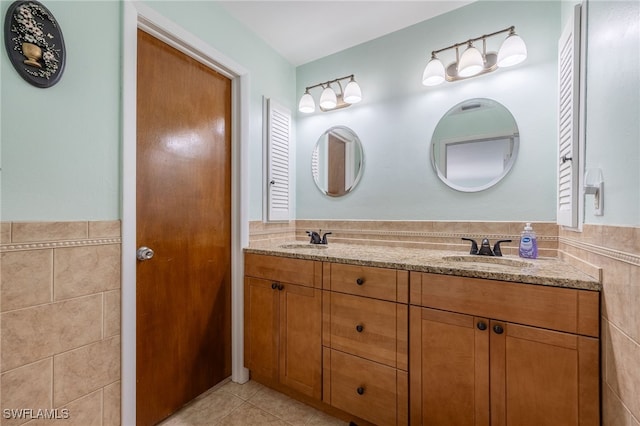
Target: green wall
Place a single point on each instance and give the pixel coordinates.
(398, 115)
(61, 147)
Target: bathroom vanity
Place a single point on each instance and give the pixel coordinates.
(395, 336)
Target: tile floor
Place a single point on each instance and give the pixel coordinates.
(248, 404)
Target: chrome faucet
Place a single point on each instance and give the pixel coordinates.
(316, 239)
(485, 247)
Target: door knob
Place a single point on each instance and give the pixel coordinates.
(144, 253)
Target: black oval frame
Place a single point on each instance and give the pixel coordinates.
(13, 45)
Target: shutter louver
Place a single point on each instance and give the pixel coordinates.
(568, 121)
(278, 140)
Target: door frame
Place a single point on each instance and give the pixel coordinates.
(140, 16)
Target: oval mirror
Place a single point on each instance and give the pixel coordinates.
(474, 145)
(337, 161)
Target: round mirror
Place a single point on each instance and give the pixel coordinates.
(474, 145)
(337, 161)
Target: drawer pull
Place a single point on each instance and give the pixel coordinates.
(360, 281)
(498, 329)
(274, 285)
(360, 390)
(359, 328)
(482, 325)
(280, 286)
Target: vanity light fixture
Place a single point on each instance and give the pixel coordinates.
(474, 62)
(329, 99)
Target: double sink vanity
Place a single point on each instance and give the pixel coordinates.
(394, 336)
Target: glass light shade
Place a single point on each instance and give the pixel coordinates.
(328, 99)
(433, 73)
(471, 62)
(352, 93)
(512, 52)
(306, 105)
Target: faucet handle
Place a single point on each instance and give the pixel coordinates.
(315, 237)
(474, 245)
(496, 247)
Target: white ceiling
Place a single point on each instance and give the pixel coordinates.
(306, 30)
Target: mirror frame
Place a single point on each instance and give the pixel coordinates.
(508, 167)
(358, 176)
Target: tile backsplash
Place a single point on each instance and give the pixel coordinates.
(60, 322)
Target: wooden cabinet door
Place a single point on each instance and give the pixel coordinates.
(541, 377)
(261, 310)
(301, 339)
(449, 364)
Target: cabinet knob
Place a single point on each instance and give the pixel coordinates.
(498, 329)
(280, 286)
(359, 328)
(482, 325)
(360, 390)
(274, 285)
(360, 281)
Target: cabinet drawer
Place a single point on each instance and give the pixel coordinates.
(379, 283)
(368, 328)
(364, 388)
(555, 308)
(284, 269)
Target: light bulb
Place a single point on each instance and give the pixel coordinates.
(512, 52)
(328, 99)
(471, 62)
(306, 105)
(352, 93)
(433, 72)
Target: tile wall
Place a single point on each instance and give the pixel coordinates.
(60, 323)
(617, 251)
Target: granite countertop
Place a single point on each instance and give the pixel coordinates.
(541, 271)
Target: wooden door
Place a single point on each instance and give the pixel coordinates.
(184, 215)
(543, 378)
(449, 369)
(261, 321)
(301, 339)
(337, 173)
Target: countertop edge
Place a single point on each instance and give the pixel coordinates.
(583, 282)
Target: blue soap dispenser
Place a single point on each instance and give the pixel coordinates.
(528, 243)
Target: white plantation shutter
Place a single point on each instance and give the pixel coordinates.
(569, 121)
(278, 147)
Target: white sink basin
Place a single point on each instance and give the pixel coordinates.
(489, 261)
(304, 246)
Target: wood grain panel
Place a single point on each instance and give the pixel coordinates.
(589, 313)
(403, 286)
(402, 337)
(377, 340)
(415, 365)
(589, 381)
(542, 306)
(183, 212)
(378, 402)
(300, 339)
(261, 312)
(282, 269)
(415, 288)
(454, 370)
(379, 283)
(541, 372)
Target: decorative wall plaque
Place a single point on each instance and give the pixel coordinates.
(34, 43)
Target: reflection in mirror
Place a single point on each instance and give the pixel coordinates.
(337, 161)
(474, 145)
